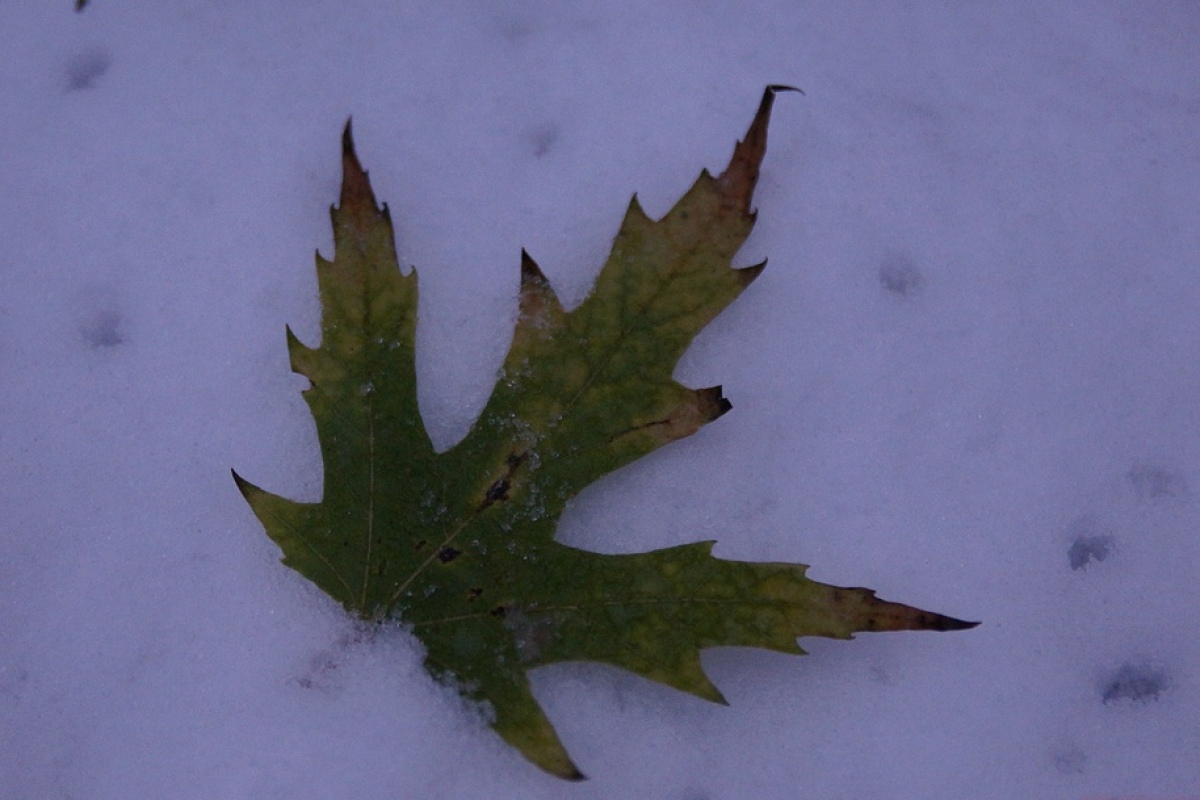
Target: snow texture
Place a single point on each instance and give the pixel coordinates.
(969, 378)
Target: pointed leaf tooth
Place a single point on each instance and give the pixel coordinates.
(265, 505)
(687, 675)
(521, 722)
(299, 531)
(747, 275)
(244, 486)
(303, 358)
(538, 299)
(635, 212)
(530, 271)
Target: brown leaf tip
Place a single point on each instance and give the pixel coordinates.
(925, 621)
(746, 275)
(356, 186)
(943, 623)
(738, 180)
(539, 305)
(712, 403)
(780, 87)
(531, 273)
(763, 116)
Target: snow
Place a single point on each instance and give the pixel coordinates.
(968, 379)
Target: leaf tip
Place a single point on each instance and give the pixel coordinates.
(244, 486)
(530, 271)
(635, 212)
(783, 87)
(762, 117)
(943, 623)
(356, 186)
(738, 180)
(707, 691)
(746, 275)
(712, 403)
(882, 615)
(300, 355)
(539, 305)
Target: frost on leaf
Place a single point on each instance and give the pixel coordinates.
(460, 545)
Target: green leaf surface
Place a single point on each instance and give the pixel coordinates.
(460, 545)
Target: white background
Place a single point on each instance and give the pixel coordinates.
(970, 369)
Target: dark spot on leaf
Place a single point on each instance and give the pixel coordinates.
(1153, 483)
(85, 69)
(448, 554)
(899, 275)
(419, 546)
(499, 612)
(1134, 682)
(497, 491)
(379, 570)
(471, 595)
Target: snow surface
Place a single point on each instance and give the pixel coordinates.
(969, 379)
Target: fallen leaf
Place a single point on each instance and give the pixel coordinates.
(459, 545)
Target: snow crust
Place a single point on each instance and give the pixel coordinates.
(969, 379)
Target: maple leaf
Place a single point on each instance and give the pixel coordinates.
(460, 545)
